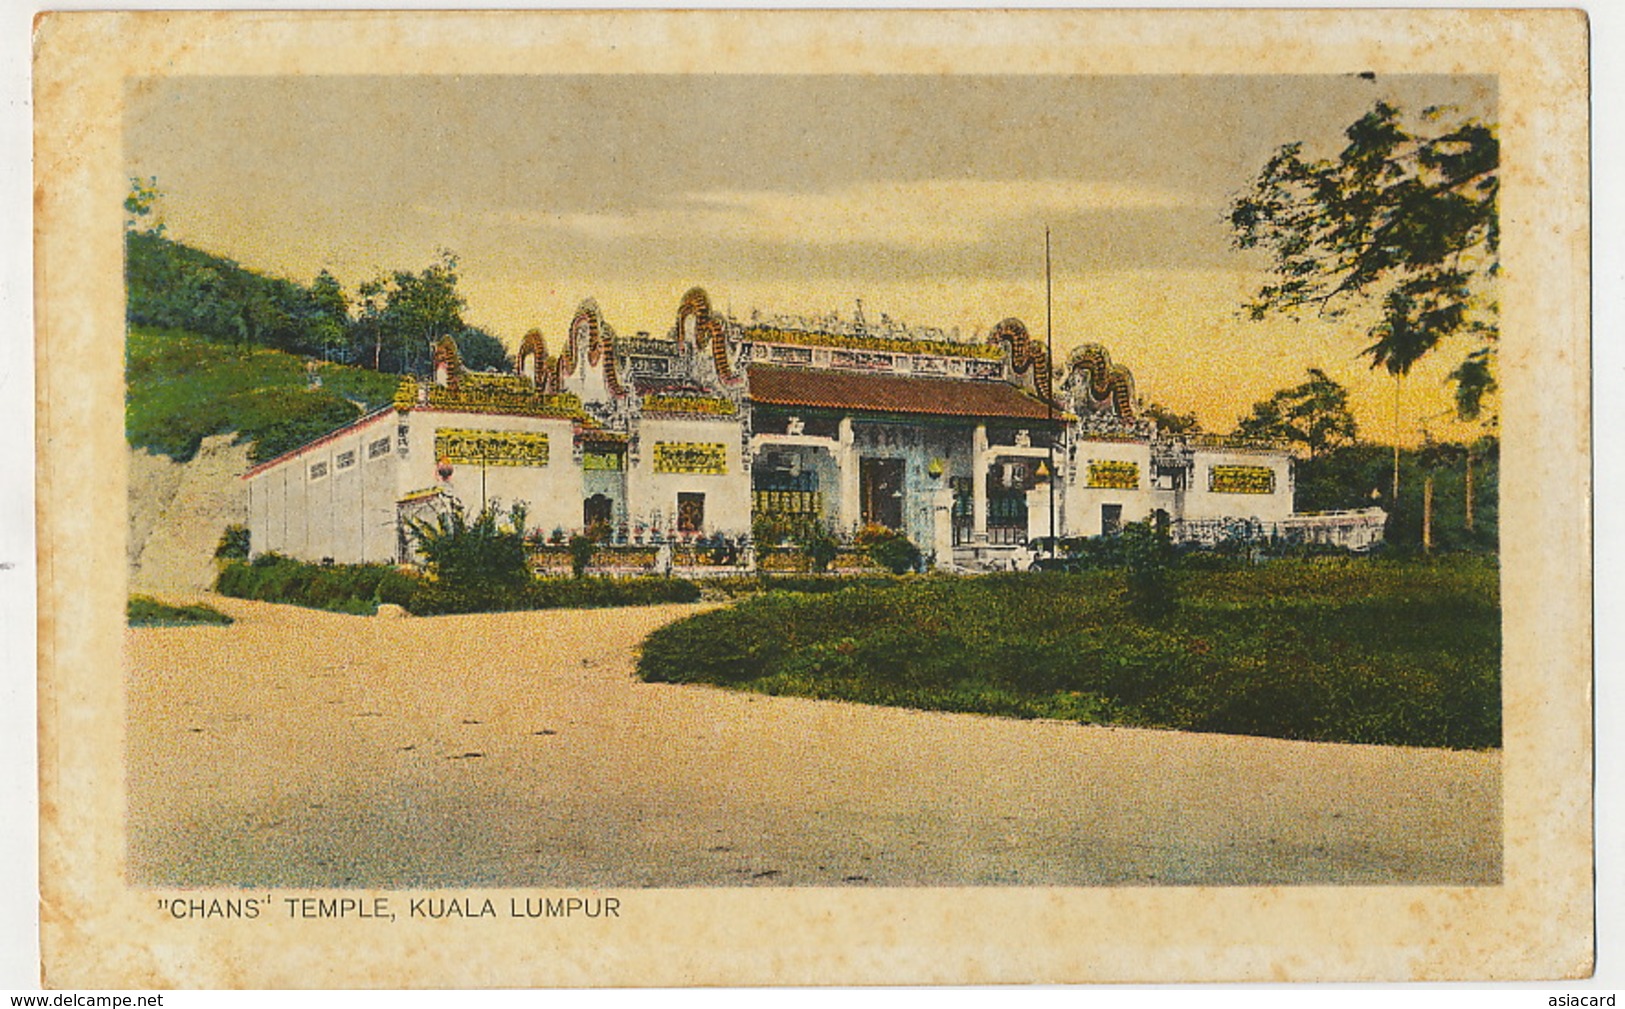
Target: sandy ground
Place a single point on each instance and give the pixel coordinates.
(306, 749)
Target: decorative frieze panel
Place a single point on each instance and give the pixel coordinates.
(862, 360)
(462, 447)
(602, 461)
(1241, 480)
(1111, 474)
(704, 458)
(716, 406)
(790, 355)
(649, 365)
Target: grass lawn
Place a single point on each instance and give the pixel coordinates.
(181, 388)
(1342, 649)
(145, 611)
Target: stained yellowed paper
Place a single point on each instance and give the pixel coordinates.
(103, 926)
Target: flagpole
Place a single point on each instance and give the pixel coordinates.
(1049, 383)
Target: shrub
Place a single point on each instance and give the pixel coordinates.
(1362, 650)
(1148, 558)
(344, 588)
(581, 550)
(435, 597)
(819, 546)
(397, 587)
(234, 544)
(888, 548)
(484, 557)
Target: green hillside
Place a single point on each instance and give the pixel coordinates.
(182, 387)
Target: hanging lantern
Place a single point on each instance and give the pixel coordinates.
(444, 469)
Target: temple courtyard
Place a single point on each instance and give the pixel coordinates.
(304, 749)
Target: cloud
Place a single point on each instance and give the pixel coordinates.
(931, 214)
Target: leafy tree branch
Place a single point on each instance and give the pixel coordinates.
(1403, 218)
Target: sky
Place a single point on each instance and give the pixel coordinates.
(925, 196)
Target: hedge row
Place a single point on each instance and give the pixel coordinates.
(360, 588)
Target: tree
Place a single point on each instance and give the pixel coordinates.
(1169, 421)
(330, 313)
(1314, 414)
(369, 324)
(1404, 218)
(480, 351)
(419, 308)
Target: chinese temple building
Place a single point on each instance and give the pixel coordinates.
(759, 431)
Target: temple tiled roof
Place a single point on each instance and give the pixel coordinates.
(839, 390)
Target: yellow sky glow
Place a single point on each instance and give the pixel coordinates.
(925, 198)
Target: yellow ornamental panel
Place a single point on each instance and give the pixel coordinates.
(1241, 480)
(1109, 474)
(601, 460)
(705, 458)
(462, 447)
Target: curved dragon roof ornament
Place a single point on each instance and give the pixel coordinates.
(1027, 356)
(588, 326)
(448, 363)
(709, 331)
(1097, 384)
(531, 361)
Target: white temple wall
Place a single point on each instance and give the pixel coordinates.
(1229, 484)
(329, 500)
(552, 492)
(1091, 493)
(654, 492)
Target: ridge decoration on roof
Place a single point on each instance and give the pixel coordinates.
(448, 363)
(1028, 357)
(710, 332)
(1097, 385)
(532, 363)
(761, 333)
(589, 327)
(502, 395)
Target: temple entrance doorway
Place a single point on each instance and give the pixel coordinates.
(1111, 519)
(597, 510)
(880, 485)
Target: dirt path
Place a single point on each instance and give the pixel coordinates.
(305, 749)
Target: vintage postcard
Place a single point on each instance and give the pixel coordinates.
(541, 499)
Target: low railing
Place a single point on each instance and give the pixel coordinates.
(1006, 536)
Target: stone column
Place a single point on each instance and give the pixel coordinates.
(846, 464)
(942, 526)
(978, 465)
